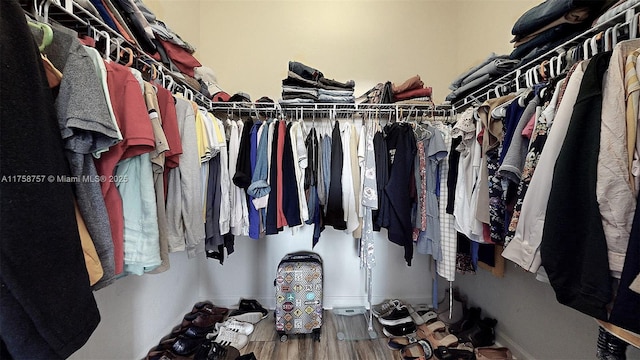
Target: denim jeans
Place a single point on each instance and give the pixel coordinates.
(304, 71)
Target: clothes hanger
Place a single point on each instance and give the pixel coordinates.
(47, 33)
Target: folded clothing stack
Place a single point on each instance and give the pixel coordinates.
(305, 84)
(411, 89)
(551, 23)
(491, 68)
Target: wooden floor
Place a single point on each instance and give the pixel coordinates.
(266, 345)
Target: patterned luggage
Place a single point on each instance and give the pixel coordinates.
(299, 295)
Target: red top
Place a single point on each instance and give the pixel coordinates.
(131, 115)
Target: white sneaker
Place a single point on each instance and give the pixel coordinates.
(226, 337)
(240, 327)
(249, 317)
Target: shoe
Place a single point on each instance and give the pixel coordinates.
(437, 335)
(417, 351)
(448, 353)
(252, 305)
(481, 334)
(200, 319)
(211, 350)
(471, 317)
(406, 329)
(208, 307)
(398, 315)
(399, 342)
(385, 308)
(226, 337)
(252, 317)
(240, 327)
(185, 346)
(164, 355)
(249, 356)
(493, 353)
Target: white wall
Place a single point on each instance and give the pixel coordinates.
(248, 44)
(251, 270)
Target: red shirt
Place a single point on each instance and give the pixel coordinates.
(137, 138)
(171, 132)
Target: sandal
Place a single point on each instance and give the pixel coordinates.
(493, 353)
(397, 343)
(420, 350)
(437, 335)
(447, 353)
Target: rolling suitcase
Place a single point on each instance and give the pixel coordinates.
(298, 286)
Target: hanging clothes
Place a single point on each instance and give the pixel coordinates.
(581, 280)
(334, 209)
(401, 148)
(37, 257)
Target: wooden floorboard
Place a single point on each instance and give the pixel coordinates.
(265, 344)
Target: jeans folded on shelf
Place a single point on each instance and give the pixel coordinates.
(299, 90)
(463, 90)
(549, 11)
(299, 96)
(295, 101)
(458, 81)
(336, 99)
(294, 79)
(496, 67)
(304, 71)
(335, 92)
(331, 84)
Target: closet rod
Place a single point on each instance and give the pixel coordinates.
(426, 109)
(513, 79)
(65, 11)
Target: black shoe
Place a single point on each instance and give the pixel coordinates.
(252, 305)
(399, 315)
(481, 334)
(405, 329)
(185, 346)
(445, 353)
(472, 316)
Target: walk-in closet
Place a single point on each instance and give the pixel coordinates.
(336, 180)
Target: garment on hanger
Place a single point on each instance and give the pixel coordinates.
(576, 218)
(334, 214)
(37, 256)
(184, 196)
(401, 148)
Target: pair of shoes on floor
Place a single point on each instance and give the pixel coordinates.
(435, 334)
(481, 334)
(240, 327)
(208, 307)
(609, 347)
(470, 319)
(211, 350)
(195, 325)
(397, 322)
(228, 337)
(419, 350)
(250, 311)
(460, 352)
(493, 353)
(385, 307)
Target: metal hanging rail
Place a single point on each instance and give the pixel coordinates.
(601, 37)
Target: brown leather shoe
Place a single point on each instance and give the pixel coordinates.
(493, 353)
(209, 307)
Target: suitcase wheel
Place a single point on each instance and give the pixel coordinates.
(283, 338)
